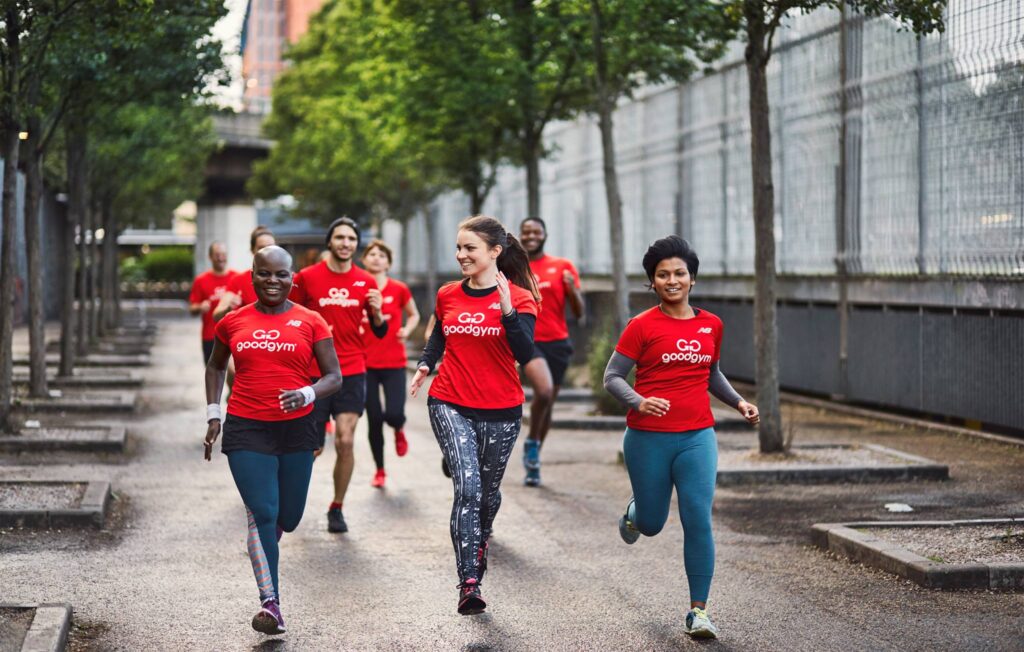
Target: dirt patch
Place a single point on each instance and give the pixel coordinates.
(86, 636)
(966, 544)
(14, 624)
(40, 495)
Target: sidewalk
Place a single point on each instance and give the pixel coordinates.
(171, 572)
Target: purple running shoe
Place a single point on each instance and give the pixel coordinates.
(268, 620)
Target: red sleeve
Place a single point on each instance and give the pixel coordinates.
(221, 329)
(298, 293)
(321, 331)
(524, 303)
(196, 295)
(631, 342)
(575, 274)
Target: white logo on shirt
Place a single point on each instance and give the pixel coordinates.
(266, 335)
(359, 284)
(689, 352)
(264, 340)
(706, 329)
(294, 322)
(552, 270)
(389, 299)
(471, 318)
(494, 306)
(469, 325)
(338, 297)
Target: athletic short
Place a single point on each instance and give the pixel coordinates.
(269, 437)
(351, 398)
(558, 354)
(207, 350)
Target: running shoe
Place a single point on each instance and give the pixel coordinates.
(698, 625)
(481, 561)
(470, 600)
(531, 454)
(444, 468)
(268, 619)
(532, 478)
(335, 521)
(627, 530)
(401, 444)
(378, 479)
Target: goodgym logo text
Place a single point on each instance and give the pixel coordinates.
(265, 340)
(469, 324)
(689, 351)
(338, 297)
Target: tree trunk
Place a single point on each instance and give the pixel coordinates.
(770, 434)
(109, 293)
(8, 266)
(33, 235)
(531, 159)
(96, 219)
(80, 209)
(476, 203)
(431, 254)
(67, 311)
(71, 328)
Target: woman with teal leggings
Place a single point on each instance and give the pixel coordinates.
(670, 437)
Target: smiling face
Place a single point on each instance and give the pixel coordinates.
(376, 261)
(272, 275)
(218, 257)
(672, 281)
(343, 243)
(532, 236)
(473, 254)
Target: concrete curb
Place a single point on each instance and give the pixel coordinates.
(916, 468)
(93, 360)
(107, 439)
(847, 540)
(567, 395)
(88, 380)
(91, 512)
(108, 402)
(50, 626)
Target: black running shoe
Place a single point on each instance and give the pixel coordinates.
(444, 468)
(335, 521)
(481, 561)
(470, 600)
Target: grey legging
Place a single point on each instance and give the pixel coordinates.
(477, 453)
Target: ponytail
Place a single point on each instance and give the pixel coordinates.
(513, 261)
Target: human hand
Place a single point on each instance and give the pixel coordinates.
(504, 294)
(291, 400)
(568, 278)
(205, 306)
(212, 432)
(401, 334)
(417, 380)
(749, 412)
(654, 406)
(375, 300)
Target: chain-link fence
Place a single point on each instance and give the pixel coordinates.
(932, 181)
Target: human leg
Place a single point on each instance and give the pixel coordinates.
(694, 471)
(255, 475)
(496, 441)
(648, 457)
(293, 475)
(344, 438)
(375, 416)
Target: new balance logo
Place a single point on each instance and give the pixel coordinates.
(706, 329)
(494, 306)
(359, 284)
(294, 322)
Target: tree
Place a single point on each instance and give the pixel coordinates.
(626, 45)
(759, 21)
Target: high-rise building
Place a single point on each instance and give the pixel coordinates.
(269, 27)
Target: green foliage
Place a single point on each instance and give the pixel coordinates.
(132, 270)
(168, 264)
(599, 350)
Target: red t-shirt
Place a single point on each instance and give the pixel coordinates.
(388, 352)
(673, 361)
(548, 271)
(209, 287)
(479, 370)
(341, 299)
(241, 284)
(271, 352)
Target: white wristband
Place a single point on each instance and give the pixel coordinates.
(213, 412)
(307, 394)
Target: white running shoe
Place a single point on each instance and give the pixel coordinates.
(699, 625)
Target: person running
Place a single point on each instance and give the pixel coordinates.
(269, 434)
(484, 326)
(207, 290)
(386, 358)
(559, 283)
(670, 437)
(240, 291)
(341, 292)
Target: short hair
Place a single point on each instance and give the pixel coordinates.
(342, 221)
(670, 247)
(215, 243)
(256, 233)
(377, 243)
(534, 219)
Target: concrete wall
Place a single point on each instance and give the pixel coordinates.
(227, 223)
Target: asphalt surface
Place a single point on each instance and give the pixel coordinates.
(170, 571)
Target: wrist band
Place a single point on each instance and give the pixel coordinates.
(308, 395)
(213, 411)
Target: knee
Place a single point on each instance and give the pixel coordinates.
(263, 512)
(543, 395)
(394, 418)
(343, 445)
(289, 523)
(648, 528)
(466, 489)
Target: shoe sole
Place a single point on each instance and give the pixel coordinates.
(532, 482)
(702, 633)
(473, 607)
(266, 624)
(627, 536)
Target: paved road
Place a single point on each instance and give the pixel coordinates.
(171, 573)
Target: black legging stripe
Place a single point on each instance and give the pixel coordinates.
(393, 410)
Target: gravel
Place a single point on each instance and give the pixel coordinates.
(14, 624)
(963, 544)
(14, 495)
(856, 456)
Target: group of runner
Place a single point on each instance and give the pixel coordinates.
(301, 341)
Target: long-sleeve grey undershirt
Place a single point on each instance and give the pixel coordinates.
(620, 365)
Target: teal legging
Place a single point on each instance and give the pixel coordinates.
(688, 460)
(273, 488)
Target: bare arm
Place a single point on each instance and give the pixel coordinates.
(412, 319)
(216, 369)
(228, 302)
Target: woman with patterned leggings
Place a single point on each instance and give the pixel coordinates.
(484, 326)
(269, 432)
(670, 437)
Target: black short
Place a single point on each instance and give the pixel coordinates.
(207, 350)
(350, 398)
(269, 437)
(558, 354)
